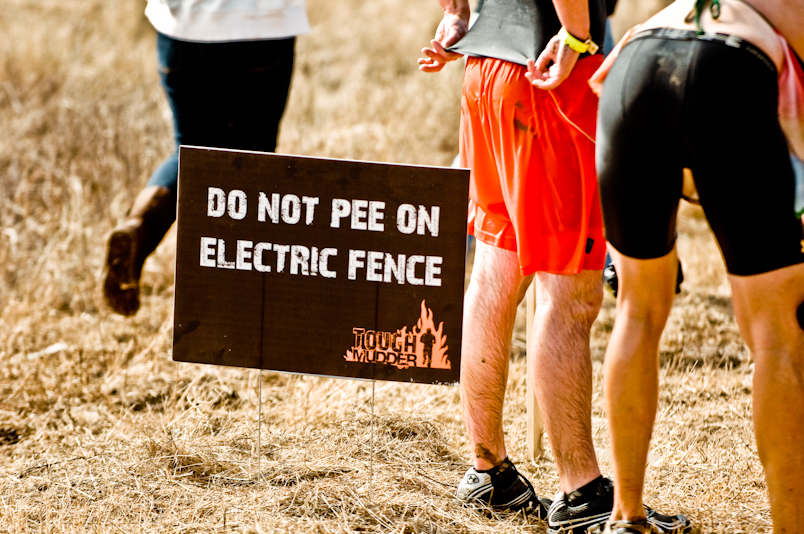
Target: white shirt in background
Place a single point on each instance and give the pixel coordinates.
(228, 20)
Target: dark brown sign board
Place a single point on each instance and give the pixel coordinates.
(320, 266)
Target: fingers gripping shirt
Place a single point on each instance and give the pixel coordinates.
(518, 30)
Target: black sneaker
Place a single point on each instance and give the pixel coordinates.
(610, 277)
(502, 488)
(588, 508)
(582, 510)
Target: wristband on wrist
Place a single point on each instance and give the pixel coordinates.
(576, 44)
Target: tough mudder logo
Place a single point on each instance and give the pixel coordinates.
(422, 346)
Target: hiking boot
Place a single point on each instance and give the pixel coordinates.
(588, 508)
(502, 488)
(149, 219)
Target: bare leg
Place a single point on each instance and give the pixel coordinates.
(489, 312)
(644, 301)
(765, 306)
(566, 307)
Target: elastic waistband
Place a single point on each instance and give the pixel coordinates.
(732, 41)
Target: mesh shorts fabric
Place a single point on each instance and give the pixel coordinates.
(533, 187)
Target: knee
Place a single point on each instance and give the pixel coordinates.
(645, 307)
(779, 365)
(581, 308)
(651, 322)
(778, 346)
(587, 307)
(491, 280)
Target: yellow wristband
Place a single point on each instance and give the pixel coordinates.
(576, 44)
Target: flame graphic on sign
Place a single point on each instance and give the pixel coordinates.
(439, 359)
(435, 339)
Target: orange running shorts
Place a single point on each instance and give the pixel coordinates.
(532, 156)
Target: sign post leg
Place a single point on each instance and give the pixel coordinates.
(371, 457)
(534, 414)
(259, 423)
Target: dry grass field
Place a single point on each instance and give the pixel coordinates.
(101, 432)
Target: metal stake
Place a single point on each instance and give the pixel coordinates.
(371, 457)
(259, 423)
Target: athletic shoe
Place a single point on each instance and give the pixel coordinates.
(581, 510)
(629, 527)
(588, 508)
(668, 524)
(610, 277)
(502, 488)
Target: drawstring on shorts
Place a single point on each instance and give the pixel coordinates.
(564, 116)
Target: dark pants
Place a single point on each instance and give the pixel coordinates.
(223, 95)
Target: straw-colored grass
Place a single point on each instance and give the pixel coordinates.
(101, 432)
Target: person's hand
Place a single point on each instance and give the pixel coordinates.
(451, 29)
(553, 65)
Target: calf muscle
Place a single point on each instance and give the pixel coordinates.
(489, 313)
(566, 307)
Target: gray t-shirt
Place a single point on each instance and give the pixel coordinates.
(518, 30)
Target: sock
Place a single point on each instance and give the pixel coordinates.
(501, 475)
(586, 492)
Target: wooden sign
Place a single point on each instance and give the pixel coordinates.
(317, 266)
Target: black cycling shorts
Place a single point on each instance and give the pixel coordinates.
(672, 100)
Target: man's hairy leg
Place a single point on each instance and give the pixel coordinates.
(566, 307)
(765, 306)
(490, 306)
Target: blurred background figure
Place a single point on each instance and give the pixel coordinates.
(225, 67)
